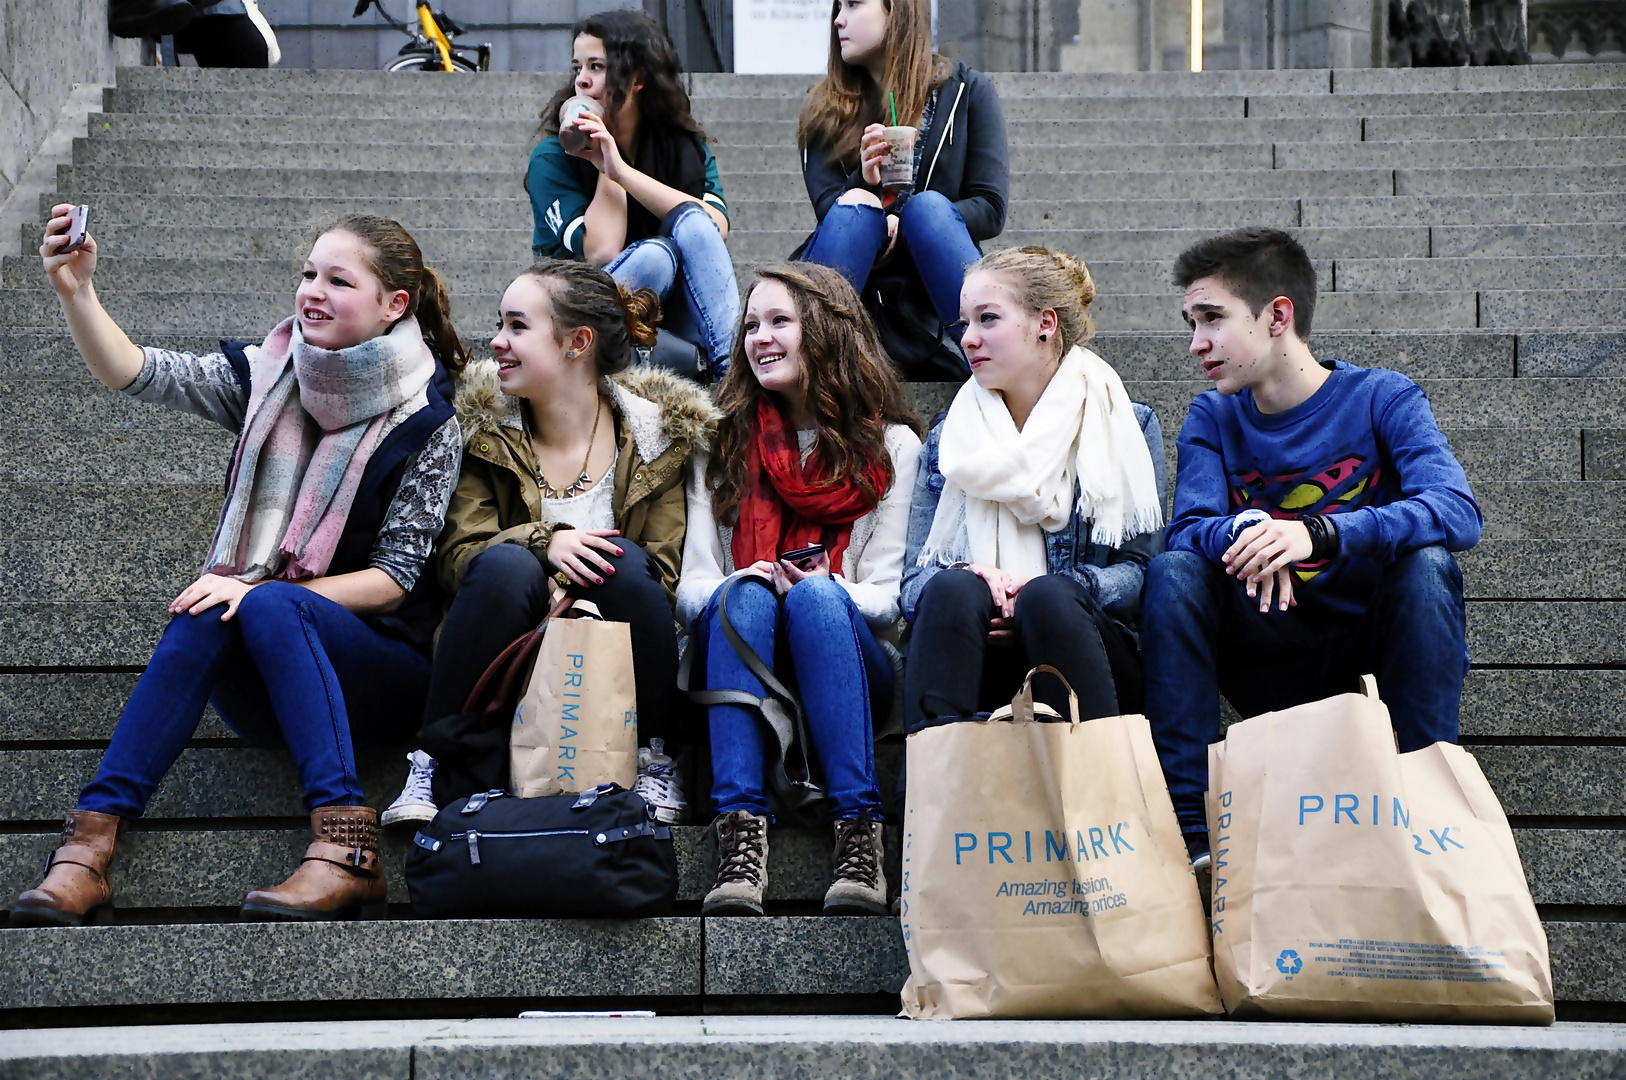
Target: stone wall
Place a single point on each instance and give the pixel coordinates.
(46, 46)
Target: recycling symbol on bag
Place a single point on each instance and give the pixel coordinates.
(1289, 963)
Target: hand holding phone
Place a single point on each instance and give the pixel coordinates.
(803, 558)
(68, 250)
(78, 226)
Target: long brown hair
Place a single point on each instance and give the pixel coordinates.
(846, 100)
(584, 295)
(846, 380)
(634, 46)
(396, 262)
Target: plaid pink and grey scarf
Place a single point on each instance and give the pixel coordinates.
(314, 418)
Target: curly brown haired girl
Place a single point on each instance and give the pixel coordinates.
(795, 547)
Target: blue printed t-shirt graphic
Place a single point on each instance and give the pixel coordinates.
(1363, 448)
(1289, 963)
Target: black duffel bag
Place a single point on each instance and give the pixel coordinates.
(599, 854)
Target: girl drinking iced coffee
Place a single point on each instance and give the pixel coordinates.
(904, 157)
(636, 191)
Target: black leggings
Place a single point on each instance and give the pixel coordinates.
(953, 671)
(224, 41)
(505, 594)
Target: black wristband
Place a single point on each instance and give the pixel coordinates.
(1323, 537)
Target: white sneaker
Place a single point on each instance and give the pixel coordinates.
(660, 783)
(416, 803)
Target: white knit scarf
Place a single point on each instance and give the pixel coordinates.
(1005, 488)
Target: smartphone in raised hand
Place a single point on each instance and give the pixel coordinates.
(78, 229)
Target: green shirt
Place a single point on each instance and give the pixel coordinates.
(561, 186)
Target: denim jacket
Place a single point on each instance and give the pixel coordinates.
(1113, 575)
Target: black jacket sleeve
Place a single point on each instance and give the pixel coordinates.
(986, 184)
(825, 178)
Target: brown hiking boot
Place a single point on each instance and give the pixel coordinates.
(340, 874)
(742, 865)
(860, 884)
(78, 880)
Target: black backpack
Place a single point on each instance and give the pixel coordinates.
(597, 855)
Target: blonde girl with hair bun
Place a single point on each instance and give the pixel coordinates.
(1037, 506)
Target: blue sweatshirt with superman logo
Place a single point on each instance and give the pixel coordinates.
(1363, 448)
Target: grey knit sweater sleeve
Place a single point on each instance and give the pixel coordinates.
(205, 386)
(418, 510)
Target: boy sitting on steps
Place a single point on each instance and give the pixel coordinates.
(1315, 508)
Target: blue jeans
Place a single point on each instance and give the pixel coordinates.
(931, 233)
(291, 669)
(847, 676)
(694, 265)
(1201, 636)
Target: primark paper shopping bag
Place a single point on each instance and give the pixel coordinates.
(1044, 874)
(577, 724)
(1353, 882)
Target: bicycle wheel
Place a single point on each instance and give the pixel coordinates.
(426, 62)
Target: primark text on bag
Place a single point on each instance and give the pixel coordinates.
(1044, 874)
(1354, 882)
(576, 726)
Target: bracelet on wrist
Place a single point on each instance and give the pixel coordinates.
(1323, 536)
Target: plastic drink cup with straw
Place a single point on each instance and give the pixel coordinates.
(898, 169)
(572, 138)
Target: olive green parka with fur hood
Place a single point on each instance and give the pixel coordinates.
(660, 419)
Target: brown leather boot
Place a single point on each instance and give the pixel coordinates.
(340, 874)
(78, 880)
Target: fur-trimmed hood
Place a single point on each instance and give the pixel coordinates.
(659, 408)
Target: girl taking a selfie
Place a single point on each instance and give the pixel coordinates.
(797, 520)
(905, 239)
(573, 468)
(629, 183)
(1037, 506)
(309, 627)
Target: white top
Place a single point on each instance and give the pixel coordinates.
(592, 509)
(871, 568)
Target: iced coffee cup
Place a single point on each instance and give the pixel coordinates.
(898, 170)
(572, 138)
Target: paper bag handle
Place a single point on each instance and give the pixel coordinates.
(1369, 687)
(1022, 703)
(587, 608)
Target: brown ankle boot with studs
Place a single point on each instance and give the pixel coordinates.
(78, 880)
(340, 875)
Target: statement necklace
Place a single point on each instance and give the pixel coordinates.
(583, 481)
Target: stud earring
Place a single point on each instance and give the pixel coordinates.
(570, 354)
(1044, 337)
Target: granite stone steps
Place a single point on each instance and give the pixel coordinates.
(160, 868)
(403, 960)
(1503, 211)
(484, 277)
(814, 1048)
(184, 456)
(71, 569)
(175, 311)
(122, 633)
(181, 514)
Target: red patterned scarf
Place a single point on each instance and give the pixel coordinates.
(787, 504)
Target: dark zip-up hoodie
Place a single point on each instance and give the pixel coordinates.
(965, 158)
